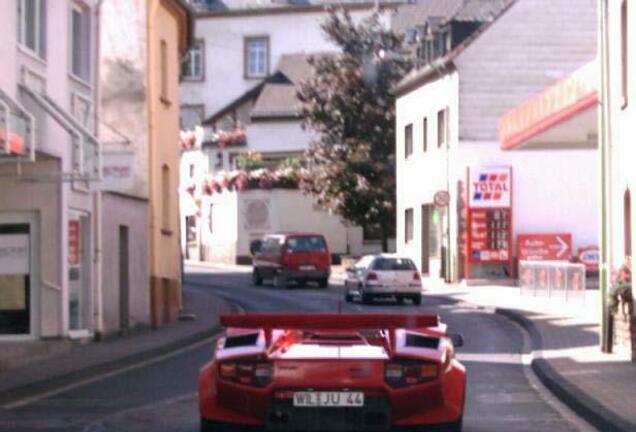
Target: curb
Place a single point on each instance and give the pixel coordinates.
(583, 405)
(49, 384)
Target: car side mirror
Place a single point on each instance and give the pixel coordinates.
(256, 246)
(457, 339)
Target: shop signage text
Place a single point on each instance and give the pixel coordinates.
(14, 254)
(544, 247)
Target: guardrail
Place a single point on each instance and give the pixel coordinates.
(558, 279)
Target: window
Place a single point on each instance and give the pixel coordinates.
(424, 134)
(408, 140)
(165, 198)
(256, 57)
(191, 229)
(441, 128)
(191, 170)
(80, 43)
(193, 64)
(32, 25)
(624, 55)
(408, 225)
(164, 72)
(393, 264)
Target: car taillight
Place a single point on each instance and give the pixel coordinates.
(416, 276)
(372, 276)
(252, 373)
(411, 372)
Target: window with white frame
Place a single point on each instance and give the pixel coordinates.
(192, 66)
(256, 57)
(80, 41)
(32, 25)
(442, 119)
(408, 225)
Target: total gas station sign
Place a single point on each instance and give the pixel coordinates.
(490, 187)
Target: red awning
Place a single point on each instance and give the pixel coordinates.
(562, 116)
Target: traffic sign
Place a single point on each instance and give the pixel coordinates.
(441, 198)
(544, 247)
(589, 257)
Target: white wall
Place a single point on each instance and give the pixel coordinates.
(554, 191)
(424, 173)
(277, 136)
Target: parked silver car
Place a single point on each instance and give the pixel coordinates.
(383, 275)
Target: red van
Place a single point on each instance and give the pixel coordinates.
(298, 257)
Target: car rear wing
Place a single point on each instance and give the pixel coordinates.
(328, 321)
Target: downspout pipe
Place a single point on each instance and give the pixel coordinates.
(98, 307)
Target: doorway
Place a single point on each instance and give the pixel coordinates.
(124, 279)
(15, 279)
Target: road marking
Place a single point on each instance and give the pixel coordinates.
(31, 399)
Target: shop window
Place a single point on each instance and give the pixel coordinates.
(32, 25)
(408, 140)
(408, 225)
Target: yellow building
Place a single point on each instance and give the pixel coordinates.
(168, 39)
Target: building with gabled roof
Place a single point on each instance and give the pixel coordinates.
(448, 116)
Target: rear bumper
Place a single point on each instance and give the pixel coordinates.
(305, 274)
(392, 290)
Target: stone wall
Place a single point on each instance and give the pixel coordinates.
(625, 333)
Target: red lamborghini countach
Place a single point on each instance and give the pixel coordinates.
(333, 372)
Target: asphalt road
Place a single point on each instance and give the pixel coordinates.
(502, 394)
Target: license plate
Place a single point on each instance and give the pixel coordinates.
(307, 267)
(328, 399)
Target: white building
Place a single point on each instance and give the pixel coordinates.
(240, 83)
(47, 210)
(448, 114)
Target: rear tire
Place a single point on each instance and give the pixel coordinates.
(257, 280)
(367, 298)
(348, 297)
(457, 426)
(280, 281)
(417, 299)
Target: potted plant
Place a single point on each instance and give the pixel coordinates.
(621, 297)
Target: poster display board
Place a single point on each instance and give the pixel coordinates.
(489, 216)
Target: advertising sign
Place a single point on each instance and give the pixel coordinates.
(589, 257)
(117, 170)
(544, 247)
(14, 254)
(490, 187)
(73, 243)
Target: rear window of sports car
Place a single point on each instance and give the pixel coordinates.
(243, 340)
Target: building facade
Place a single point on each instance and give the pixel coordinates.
(448, 139)
(240, 82)
(50, 159)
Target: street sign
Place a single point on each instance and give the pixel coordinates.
(544, 247)
(441, 198)
(589, 257)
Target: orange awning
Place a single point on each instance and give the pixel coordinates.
(562, 116)
(15, 142)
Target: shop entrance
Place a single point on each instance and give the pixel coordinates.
(79, 274)
(17, 297)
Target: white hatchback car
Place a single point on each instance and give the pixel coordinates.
(384, 275)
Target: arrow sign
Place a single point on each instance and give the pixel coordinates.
(544, 247)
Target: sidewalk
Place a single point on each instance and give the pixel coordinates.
(566, 356)
(82, 361)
